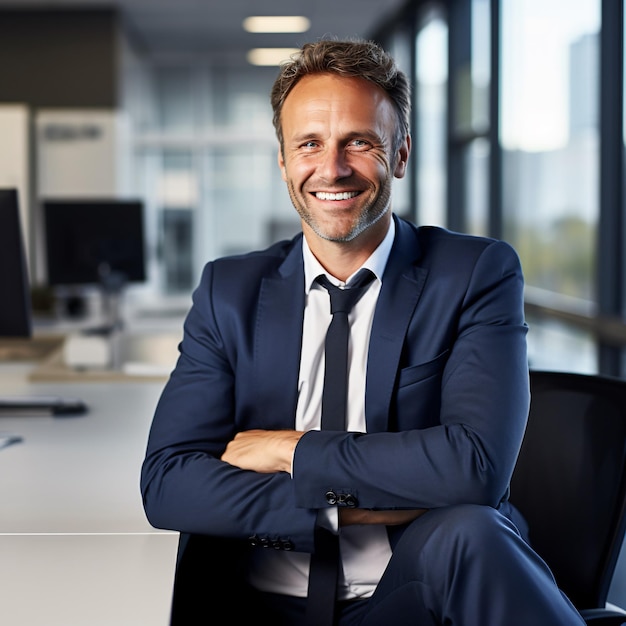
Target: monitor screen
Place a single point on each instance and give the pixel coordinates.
(89, 240)
(16, 309)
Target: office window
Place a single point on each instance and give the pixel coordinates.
(400, 48)
(241, 100)
(476, 157)
(553, 345)
(429, 136)
(177, 228)
(243, 196)
(469, 150)
(175, 96)
(550, 141)
(478, 119)
(177, 196)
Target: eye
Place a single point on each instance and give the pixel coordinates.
(360, 144)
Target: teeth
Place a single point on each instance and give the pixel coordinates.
(345, 195)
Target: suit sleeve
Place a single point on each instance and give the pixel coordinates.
(184, 484)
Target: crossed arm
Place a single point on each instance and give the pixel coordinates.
(268, 451)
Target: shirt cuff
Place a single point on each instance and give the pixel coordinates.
(329, 519)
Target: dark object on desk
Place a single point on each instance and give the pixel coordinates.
(94, 242)
(16, 309)
(12, 406)
(7, 440)
(570, 484)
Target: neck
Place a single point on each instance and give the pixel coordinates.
(342, 258)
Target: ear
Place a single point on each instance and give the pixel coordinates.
(281, 165)
(403, 157)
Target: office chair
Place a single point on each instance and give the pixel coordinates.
(570, 484)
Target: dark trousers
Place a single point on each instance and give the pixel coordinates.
(464, 565)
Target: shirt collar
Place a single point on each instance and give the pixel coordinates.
(375, 263)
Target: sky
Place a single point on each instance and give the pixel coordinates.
(536, 35)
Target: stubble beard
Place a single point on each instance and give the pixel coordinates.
(369, 215)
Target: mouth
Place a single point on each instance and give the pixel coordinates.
(342, 195)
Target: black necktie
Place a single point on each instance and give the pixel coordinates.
(324, 572)
(336, 348)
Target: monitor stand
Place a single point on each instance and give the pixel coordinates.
(112, 287)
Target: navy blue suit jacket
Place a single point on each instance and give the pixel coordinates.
(447, 392)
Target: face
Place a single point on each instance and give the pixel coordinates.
(337, 158)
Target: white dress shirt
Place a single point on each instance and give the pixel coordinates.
(365, 549)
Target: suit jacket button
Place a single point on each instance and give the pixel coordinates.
(253, 540)
(350, 501)
(331, 497)
(287, 544)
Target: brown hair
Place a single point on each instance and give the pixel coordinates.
(350, 57)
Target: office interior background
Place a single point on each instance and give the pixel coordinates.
(517, 134)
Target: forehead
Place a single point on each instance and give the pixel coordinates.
(325, 94)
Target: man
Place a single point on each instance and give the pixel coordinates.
(416, 486)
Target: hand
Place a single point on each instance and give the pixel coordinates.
(348, 517)
(264, 451)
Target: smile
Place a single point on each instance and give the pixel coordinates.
(344, 195)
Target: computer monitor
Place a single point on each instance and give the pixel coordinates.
(94, 242)
(16, 308)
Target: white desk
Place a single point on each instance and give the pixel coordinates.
(75, 546)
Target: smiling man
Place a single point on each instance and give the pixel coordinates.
(338, 158)
(408, 496)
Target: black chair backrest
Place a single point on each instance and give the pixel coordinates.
(570, 479)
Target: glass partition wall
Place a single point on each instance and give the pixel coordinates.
(207, 165)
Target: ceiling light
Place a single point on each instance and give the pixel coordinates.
(270, 56)
(276, 24)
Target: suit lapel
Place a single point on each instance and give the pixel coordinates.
(279, 333)
(278, 341)
(403, 283)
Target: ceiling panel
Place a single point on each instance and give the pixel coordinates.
(214, 27)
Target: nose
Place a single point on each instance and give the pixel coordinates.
(333, 164)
